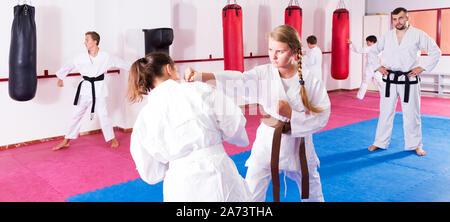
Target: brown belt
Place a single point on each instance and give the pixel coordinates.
(280, 128)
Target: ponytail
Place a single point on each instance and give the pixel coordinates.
(136, 82)
(143, 72)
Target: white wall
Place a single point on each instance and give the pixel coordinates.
(197, 25)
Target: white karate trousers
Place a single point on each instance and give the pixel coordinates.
(84, 104)
(258, 180)
(369, 75)
(411, 115)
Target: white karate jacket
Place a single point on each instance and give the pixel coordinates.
(263, 85)
(90, 66)
(178, 138)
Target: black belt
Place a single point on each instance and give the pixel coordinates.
(91, 80)
(407, 82)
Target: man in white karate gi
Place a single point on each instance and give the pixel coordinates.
(92, 90)
(313, 58)
(371, 65)
(401, 70)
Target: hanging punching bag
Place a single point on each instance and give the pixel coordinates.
(233, 43)
(293, 17)
(22, 81)
(339, 46)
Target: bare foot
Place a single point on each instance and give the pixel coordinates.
(114, 143)
(372, 148)
(65, 143)
(420, 151)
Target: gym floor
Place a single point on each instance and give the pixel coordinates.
(35, 173)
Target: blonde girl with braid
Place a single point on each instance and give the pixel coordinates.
(293, 100)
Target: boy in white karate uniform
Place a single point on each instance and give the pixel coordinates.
(400, 68)
(92, 91)
(371, 65)
(178, 134)
(296, 104)
(313, 59)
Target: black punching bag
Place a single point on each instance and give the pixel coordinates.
(158, 40)
(22, 81)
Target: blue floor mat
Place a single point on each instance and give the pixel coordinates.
(349, 172)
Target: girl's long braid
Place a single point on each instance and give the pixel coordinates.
(303, 93)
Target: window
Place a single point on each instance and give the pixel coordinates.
(425, 21)
(434, 22)
(445, 31)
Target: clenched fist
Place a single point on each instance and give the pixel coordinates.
(416, 71)
(284, 109)
(189, 74)
(60, 83)
(383, 70)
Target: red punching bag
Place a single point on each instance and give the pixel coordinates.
(293, 17)
(233, 43)
(339, 46)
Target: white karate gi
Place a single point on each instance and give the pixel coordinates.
(313, 61)
(371, 67)
(263, 85)
(403, 57)
(90, 66)
(178, 138)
